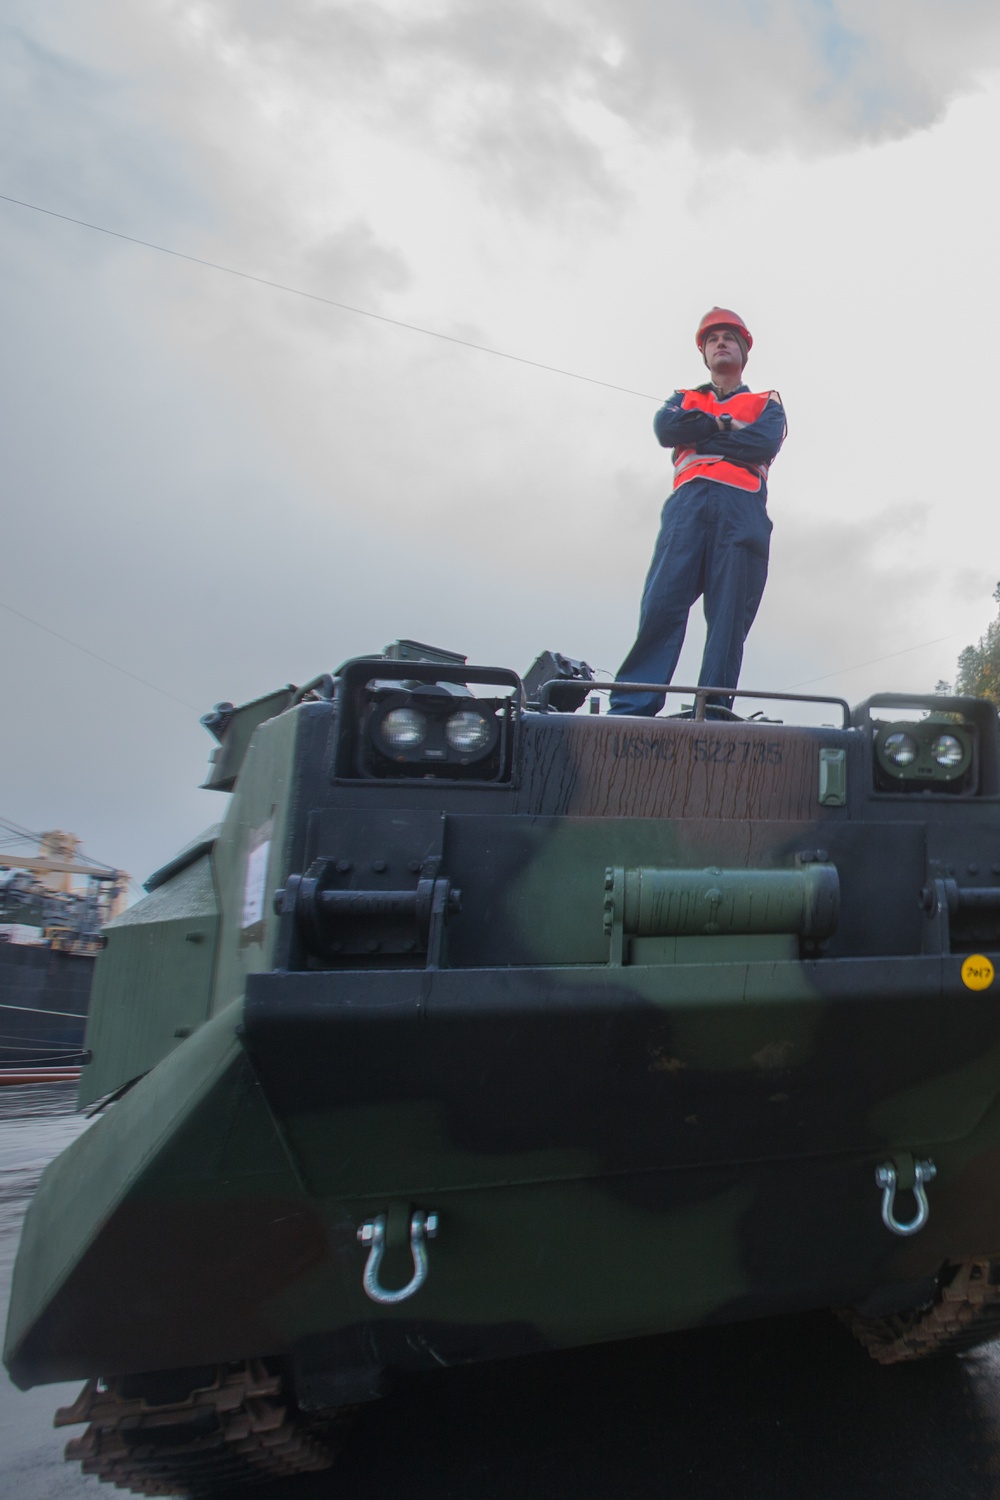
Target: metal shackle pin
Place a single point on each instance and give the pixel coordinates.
(886, 1178)
(423, 1227)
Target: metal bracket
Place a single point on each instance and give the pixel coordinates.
(423, 1227)
(328, 921)
(939, 902)
(886, 1176)
(975, 909)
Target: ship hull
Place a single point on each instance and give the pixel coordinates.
(44, 998)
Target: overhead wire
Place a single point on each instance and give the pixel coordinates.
(97, 657)
(874, 661)
(807, 682)
(18, 832)
(381, 318)
(21, 835)
(295, 291)
(32, 1010)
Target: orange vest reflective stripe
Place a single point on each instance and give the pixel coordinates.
(690, 464)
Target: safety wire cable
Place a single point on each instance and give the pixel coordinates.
(380, 318)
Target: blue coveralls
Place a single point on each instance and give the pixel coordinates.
(713, 541)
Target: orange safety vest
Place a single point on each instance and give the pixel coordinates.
(689, 464)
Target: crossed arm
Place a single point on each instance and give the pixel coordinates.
(745, 442)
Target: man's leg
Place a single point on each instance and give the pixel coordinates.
(735, 575)
(673, 583)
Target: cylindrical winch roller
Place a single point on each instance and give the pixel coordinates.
(674, 903)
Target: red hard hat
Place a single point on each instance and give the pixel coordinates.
(722, 317)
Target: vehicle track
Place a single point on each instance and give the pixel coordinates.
(234, 1430)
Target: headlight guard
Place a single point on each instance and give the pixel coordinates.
(426, 721)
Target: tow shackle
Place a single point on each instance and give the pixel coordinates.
(887, 1178)
(423, 1227)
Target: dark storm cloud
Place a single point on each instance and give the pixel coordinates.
(515, 87)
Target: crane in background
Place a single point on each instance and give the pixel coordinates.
(58, 897)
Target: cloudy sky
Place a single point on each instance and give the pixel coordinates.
(221, 487)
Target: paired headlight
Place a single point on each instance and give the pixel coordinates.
(440, 729)
(920, 754)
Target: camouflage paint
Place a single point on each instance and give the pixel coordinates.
(679, 1129)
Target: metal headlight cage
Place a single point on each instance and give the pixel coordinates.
(463, 722)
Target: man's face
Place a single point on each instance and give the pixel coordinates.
(722, 351)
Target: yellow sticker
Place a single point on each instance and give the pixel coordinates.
(977, 972)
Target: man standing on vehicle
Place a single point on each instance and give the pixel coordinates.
(714, 531)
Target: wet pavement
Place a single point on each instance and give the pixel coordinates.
(764, 1411)
(36, 1122)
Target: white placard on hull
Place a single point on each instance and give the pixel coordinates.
(255, 885)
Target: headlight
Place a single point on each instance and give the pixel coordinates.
(928, 755)
(468, 732)
(426, 733)
(403, 729)
(901, 749)
(947, 750)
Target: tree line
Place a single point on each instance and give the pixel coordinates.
(978, 668)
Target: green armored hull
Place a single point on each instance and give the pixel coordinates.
(480, 1028)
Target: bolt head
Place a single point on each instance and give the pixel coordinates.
(366, 1233)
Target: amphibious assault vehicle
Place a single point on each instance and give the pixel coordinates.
(482, 1025)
